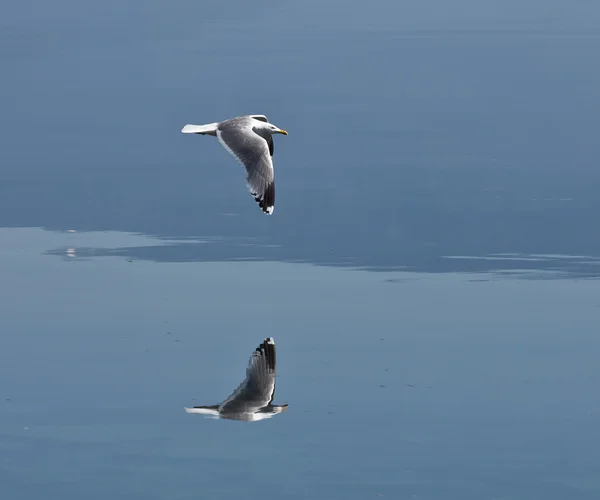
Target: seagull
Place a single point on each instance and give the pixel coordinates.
(251, 401)
(249, 139)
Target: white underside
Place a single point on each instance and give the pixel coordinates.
(261, 416)
(252, 417)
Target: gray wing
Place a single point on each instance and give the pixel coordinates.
(258, 389)
(254, 152)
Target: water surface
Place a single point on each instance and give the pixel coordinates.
(429, 275)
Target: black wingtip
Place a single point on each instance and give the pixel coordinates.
(267, 348)
(267, 201)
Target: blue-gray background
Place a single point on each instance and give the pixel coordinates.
(440, 156)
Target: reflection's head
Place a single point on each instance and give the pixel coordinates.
(280, 408)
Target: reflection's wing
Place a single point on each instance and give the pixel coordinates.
(252, 150)
(258, 389)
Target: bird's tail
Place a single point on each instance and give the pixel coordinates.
(204, 410)
(208, 129)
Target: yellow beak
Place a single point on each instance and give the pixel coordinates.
(281, 131)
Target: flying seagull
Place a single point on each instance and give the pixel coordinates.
(251, 401)
(249, 139)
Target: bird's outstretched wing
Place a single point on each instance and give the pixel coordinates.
(258, 388)
(254, 152)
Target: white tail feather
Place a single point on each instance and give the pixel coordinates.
(202, 411)
(209, 128)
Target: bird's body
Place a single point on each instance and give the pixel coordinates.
(249, 139)
(252, 400)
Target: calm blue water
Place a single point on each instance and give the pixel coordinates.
(430, 275)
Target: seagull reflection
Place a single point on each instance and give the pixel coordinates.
(251, 401)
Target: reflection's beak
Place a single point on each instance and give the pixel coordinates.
(281, 131)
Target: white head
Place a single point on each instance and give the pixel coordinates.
(274, 129)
